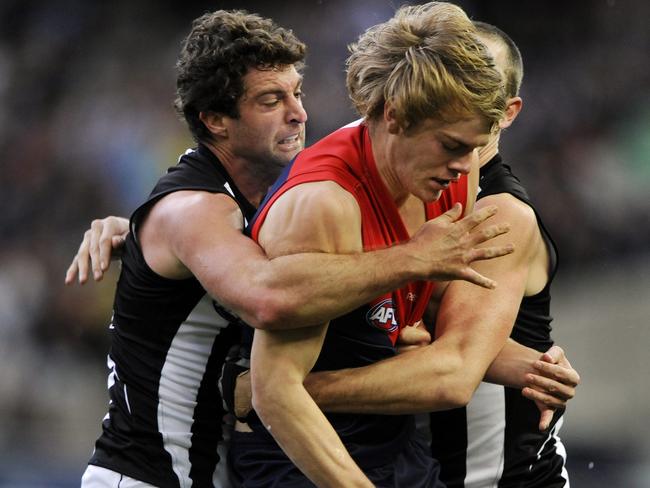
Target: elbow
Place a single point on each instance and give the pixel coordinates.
(265, 320)
(456, 386)
(276, 310)
(268, 393)
(267, 311)
(459, 394)
(262, 395)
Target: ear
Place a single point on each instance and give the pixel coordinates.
(392, 125)
(513, 107)
(215, 123)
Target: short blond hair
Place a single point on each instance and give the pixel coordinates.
(429, 62)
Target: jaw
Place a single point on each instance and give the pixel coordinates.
(293, 144)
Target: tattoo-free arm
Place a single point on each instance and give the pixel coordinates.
(197, 233)
(323, 217)
(472, 326)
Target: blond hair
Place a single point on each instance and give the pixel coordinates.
(428, 61)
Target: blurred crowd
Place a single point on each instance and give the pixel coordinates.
(87, 126)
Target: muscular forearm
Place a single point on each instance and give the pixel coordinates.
(279, 362)
(307, 438)
(422, 380)
(304, 289)
(426, 379)
(441, 375)
(512, 364)
(311, 288)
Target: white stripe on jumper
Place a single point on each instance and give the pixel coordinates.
(486, 426)
(560, 450)
(180, 380)
(226, 185)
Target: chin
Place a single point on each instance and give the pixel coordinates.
(431, 196)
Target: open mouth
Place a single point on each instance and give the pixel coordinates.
(291, 139)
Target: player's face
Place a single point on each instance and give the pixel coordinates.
(270, 130)
(426, 159)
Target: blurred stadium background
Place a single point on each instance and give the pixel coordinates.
(86, 127)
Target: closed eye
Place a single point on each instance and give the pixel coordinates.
(270, 102)
(456, 148)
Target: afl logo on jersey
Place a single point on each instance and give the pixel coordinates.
(382, 316)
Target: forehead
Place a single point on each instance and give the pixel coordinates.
(471, 131)
(282, 78)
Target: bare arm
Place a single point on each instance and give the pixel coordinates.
(445, 373)
(201, 234)
(323, 217)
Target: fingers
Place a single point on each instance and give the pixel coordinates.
(82, 258)
(551, 393)
(96, 232)
(117, 245)
(243, 395)
(558, 372)
(483, 253)
(555, 387)
(108, 242)
(454, 213)
(484, 235)
(477, 278)
(414, 336)
(543, 398)
(477, 217)
(71, 272)
(554, 355)
(104, 239)
(545, 417)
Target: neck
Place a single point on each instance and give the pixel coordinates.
(487, 152)
(380, 150)
(250, 183)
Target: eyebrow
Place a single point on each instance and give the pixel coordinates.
(456, 140)
(274, 91)
(460, 142)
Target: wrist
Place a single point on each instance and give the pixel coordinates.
(405, 261)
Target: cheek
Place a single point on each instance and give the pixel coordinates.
(259, 137)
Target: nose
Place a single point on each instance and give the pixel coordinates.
(462, 164)
(296, 113)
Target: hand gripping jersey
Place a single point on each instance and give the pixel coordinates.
(363, 336)
(495, 440)
(164, 424)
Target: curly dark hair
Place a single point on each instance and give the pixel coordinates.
(216, 55)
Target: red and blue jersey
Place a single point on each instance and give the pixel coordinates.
(346, 158)
(369, 333)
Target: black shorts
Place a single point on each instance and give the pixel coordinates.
(255, 464)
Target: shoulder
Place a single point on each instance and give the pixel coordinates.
(185, 204)
(521, 218)
(185, 226)
(511, 208)
(325, 198)
(183, 212)
(321, 215)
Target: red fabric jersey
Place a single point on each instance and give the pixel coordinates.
(346, 158)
